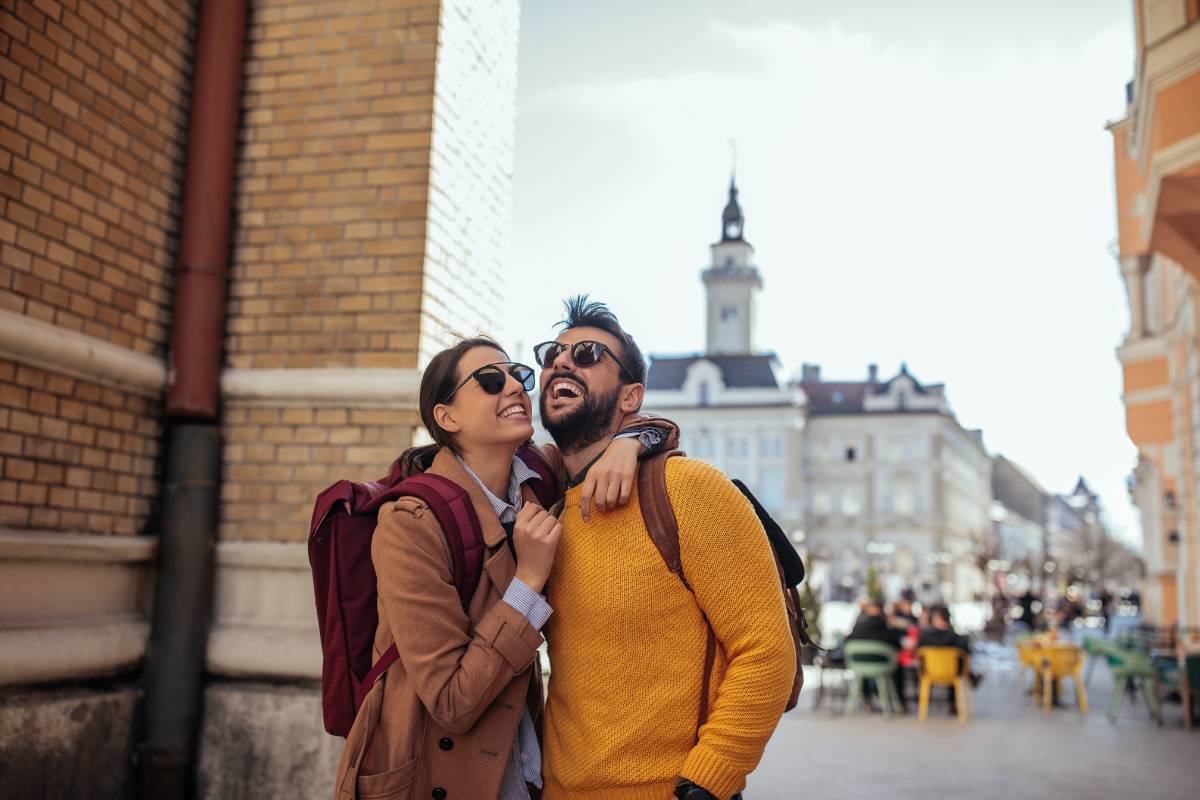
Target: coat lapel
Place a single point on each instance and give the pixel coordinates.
(446, 465)
(498, 563)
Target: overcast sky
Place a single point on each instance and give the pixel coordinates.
(925, 181)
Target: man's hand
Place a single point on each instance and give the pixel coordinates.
(609, 482)
(535, 538)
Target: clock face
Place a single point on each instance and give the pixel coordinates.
(732, 230)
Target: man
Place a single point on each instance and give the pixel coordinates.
(627, 639)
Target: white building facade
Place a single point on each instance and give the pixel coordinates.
(896, 484)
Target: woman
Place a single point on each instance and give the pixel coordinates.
(454, 716)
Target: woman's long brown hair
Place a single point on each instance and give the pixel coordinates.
(439, 379)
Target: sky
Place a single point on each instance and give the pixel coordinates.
(927, 182)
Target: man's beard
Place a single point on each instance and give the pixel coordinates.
(590, 422)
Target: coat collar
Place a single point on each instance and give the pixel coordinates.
(447, 466)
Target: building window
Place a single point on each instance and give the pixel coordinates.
(770, 447)
(822, 502)
(704, 394)
(852, 504)
(851, 454)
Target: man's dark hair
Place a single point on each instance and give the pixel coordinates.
(940, 612)
(584, 313)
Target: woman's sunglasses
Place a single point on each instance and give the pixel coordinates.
(491, 378)
(583, 354)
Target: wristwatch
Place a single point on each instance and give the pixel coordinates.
(686, 790)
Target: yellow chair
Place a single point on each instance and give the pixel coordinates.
(944, 666)
(1063, 661)
(1029, 656)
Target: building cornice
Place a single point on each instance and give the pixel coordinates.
(1142, 349)
(1166, 62)
(343, 387)
(40, 344)
(79, 355)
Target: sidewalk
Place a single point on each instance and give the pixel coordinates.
(1008, 750)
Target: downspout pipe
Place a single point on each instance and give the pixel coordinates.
(175, 657)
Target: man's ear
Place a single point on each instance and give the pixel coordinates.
(632, 395)
(444, 417)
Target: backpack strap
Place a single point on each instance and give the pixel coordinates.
(456, 516)
(546, 486)
(663, 528)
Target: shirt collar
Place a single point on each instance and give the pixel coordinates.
(518, 474)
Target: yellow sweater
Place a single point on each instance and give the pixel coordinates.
(627, 647)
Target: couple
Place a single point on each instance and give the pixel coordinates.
(460, 713)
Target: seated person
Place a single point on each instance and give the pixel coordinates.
(942, 634)
(872, 626)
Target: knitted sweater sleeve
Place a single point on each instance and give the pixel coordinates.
(727, 560)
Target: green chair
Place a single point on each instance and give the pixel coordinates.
(1132, 669)
(874, 661)
(1095, 652)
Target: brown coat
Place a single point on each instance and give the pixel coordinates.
(445, 715)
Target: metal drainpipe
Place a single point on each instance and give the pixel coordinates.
(175, 657)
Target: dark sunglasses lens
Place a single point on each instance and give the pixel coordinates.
(546, 352)
(524, 376)
(584, 354)
(491, 380)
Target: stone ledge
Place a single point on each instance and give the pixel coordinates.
(264, 619)
(72, 605)
(47, 346)
(25, 545)
(339, 387)
(88, 649)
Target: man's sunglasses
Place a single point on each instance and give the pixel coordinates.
(583, 354)
(491, 377)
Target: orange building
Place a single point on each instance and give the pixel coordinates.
(1157, 153)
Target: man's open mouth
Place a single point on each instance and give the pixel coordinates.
(565, 389)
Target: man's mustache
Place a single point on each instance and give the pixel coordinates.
(571, 376)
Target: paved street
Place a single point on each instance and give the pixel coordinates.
(1009, 750)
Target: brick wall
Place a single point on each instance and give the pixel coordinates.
(333, 184)
(373, 198)
(74, 455)
(471, 182)
(278, 459)
(92, 131)
(91, 125)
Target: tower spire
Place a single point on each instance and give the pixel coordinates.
(733, 223)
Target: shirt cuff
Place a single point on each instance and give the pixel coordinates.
(650, 438)
(528, 603)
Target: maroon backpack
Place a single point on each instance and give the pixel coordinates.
(339, 552)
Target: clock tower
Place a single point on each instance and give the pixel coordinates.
(732, 284)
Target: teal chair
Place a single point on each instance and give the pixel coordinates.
(1095, 652)
(1132, 669)
(874, 661)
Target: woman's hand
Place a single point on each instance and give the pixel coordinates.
(609, 482)
(535, 538)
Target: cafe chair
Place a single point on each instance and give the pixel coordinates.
(944, 666)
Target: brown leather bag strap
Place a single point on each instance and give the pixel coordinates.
(660, 521)
(657, 512)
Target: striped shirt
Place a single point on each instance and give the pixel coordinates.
(525, 762)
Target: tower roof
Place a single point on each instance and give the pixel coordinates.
(733, 222)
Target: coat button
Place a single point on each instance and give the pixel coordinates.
(446, 744)
(439, 794)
